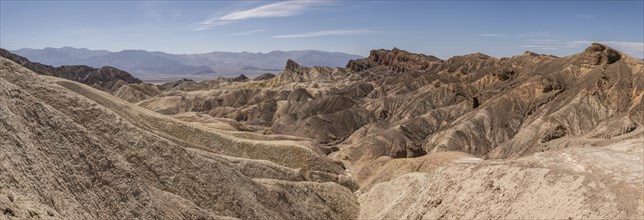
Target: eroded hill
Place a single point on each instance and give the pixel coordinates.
(529, 136)
(70, 151)
(399, 104)
(394, 104)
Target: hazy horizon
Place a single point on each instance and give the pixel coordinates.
(260, 52)
(116, 51)
(495, 28)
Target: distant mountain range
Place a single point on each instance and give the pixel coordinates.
(146, 64)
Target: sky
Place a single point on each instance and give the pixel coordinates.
(440, 28)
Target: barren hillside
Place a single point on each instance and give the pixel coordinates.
(396, 135)
(73, 152)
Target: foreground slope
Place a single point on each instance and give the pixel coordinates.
(73, 152)
(588, 183)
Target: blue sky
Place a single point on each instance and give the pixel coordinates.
(440, 28)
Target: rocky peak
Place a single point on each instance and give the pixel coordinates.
(240, 78)
(171, 85)
(388, 57)
(264, 76)
(470, 63)
(108, 72)
(598, 54)
(472, 57)
(109, 69)
(293, 72)
(292, 65)
(395, 59)
(530, 53)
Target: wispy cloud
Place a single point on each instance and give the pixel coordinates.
(535, 34)
(542, 41)
(493, 35)
(585, 16)
(208, 24)
(83, 30)
(539, 40)
(279, 9)
(245, 33)
(542, 47)
(324, 33)
(543, 44)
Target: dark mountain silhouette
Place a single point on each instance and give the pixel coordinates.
(106, 78)
(158, 64)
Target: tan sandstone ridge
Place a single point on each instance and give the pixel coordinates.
(413, 136)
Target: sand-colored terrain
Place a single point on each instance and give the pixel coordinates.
(396, 135)
(73, 152)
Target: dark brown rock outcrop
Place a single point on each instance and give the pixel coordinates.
(598, 54)
(395, 59)
(240, 78)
